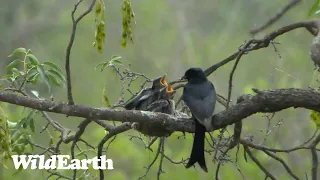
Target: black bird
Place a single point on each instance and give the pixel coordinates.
(165, 97)
(147, 95)
(163, 104)
(200, 96)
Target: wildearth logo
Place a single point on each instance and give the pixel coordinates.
(60, 162)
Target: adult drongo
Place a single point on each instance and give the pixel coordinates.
(200, 96)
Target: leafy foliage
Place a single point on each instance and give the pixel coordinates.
(114, 60)
(29, 69)
(15, 136)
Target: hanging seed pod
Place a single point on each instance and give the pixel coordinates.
(127, 19)
(99, 21)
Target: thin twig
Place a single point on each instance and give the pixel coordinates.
(314, 157)
(160, 171)
(277, 16)
(258, 163)
(283, 163)
(153, 161)
(264, 42)
(241, 52)
(82, 126)
(68, 51)
(116, 130)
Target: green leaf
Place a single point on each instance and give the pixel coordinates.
(113, 58)
(18, 51)
(43, 76)
(54, 79)
(103, 65)
(21, 123)
(12, 125)
(16, 72)
(315, 117)
(31, 73)
(57, 74)
(105, 97)
(26, 121)
(314, 8)
(117, 62)
(16, 135)
(116, 59)
(33, 59)
(53, 66)
(31, 114)
(31, 68)
(13, 64)
(34, 79)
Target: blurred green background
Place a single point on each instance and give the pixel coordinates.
(170, 36)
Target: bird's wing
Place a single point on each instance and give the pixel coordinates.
(143, 95)
(201, 100)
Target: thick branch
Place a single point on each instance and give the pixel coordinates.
(264, 101)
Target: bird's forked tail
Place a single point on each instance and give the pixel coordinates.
(197, 153)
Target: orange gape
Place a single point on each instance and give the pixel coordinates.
(163, 81)
(170, 91)
(170, 88)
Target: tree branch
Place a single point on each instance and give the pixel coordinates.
(73, 33)
(272, 20)
(81, 127)
(263, 101)
(314, 154)
(264, 42)
(116, 130)
(264, 148)
(258, 163)
(283, 163)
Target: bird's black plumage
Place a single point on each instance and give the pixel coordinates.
(157, 98)
(200, 96)
(147, 95)
(163, 104)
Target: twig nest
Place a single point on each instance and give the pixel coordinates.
(315, 50)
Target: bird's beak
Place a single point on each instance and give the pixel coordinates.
(183, 78)
(163, 81)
